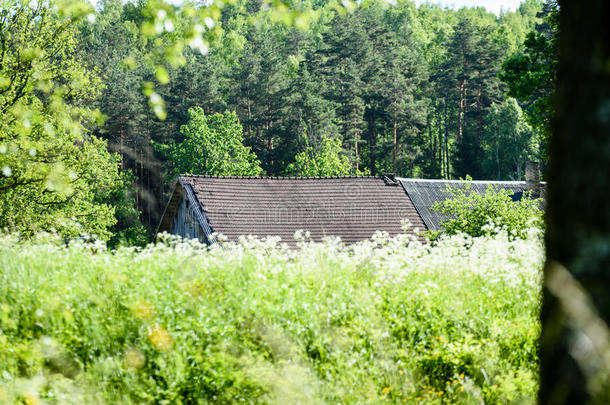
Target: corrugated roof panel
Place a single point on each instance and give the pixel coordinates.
(424, 193)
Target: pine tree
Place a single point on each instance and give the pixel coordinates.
(406, 103)
(257, 89)
(339, 55)
(469, 74)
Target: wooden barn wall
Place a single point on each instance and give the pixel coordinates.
(185, 224)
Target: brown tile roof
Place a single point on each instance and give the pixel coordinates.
(352, 208)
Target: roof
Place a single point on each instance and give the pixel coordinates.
(353, 208)
(424, 193)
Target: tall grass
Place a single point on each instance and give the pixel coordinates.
(388, 320)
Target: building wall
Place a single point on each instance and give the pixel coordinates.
(185, 224)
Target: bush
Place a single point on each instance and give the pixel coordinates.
(384, 321)
(487, 214)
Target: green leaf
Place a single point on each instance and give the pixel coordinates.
(162, 75)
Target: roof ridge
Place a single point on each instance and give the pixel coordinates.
(208, 176)
(463, 181)
(418, 180)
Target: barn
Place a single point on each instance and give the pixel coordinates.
(352, 208)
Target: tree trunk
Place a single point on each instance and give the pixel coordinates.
(432, 138)
(356, 139)
(249, 116)
(372, 143)
(462, 110)
(498, 155)
(121, 144)
(395, 144)
(149, 204)
(575, 349)
(479, 113)
(439, 143)
(268, 126)
(446, 143)
(140, 180)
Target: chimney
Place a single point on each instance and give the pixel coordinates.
(390, 179)
(532, 179)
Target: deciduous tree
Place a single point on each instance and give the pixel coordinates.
(53, 170)
(213, 144)
(328, 161)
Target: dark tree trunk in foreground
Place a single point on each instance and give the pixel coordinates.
(575, 351)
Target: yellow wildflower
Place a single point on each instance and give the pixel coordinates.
(134, 358)
(159, 337)
(143, 310)
(30, 399)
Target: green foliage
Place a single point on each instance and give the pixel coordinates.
(172, 30)
(330, 161)
(383, 321)
(212, 145)
(383, 79)
(53, 170)
(129, 230)
(473, 86)
(530, 75)
(487, 214)
(509, 141)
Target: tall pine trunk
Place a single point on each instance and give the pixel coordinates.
(446, 142)
(479, 113)
(121, 144)
(462, 110)
(499, 175)
(372, 143)
(395, 145)
(575, 344)
(249, 116)
(440, 141)
(356, 140)
(149, 163)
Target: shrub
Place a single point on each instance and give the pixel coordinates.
(487, 214)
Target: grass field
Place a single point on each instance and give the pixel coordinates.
(386, 321)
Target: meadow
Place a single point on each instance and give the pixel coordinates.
(390, 320)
